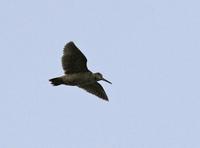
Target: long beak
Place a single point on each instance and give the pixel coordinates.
(106, 81)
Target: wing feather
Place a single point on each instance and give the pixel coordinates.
(95, 89)
(73, 60)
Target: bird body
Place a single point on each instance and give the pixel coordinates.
(77, 74)
(79, 78)
(75, 79)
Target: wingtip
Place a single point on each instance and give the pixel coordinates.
(106, 99)
(70, 42)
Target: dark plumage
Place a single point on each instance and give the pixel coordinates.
(74, 64)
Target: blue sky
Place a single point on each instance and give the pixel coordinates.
(149, 50)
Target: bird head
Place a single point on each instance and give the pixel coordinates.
(99, 76)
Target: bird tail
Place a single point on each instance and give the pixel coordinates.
(56, 81)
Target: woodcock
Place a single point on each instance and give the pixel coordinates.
(74, 64)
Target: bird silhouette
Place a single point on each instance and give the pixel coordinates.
(77, 74)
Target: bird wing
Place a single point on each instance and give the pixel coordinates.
(96, 89)
(73, 60)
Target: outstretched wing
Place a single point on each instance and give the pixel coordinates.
(73, 60)
(96, 89)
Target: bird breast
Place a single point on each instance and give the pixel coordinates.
(79, 78)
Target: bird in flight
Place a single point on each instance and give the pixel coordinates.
(76, 72)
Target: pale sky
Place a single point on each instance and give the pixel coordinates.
(148, 49)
